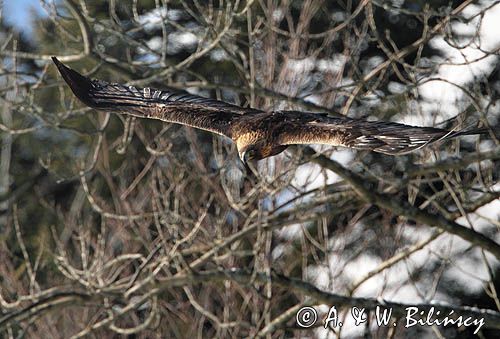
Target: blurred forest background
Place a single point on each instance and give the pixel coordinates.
(115, 226)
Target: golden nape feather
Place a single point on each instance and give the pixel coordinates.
(257, 134)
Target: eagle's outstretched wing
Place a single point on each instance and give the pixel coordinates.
(379, 136)
(167, 105)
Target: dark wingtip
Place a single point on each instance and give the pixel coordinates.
(468, 131)
(79, 84)
(473, 131)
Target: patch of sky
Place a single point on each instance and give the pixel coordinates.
(153, 19)
(218, 54)
(443, 99)
(334, 64)
(278, 15)
(20, 14)
(178, 41)
(339, 16)
(369, 64)
(396, 87)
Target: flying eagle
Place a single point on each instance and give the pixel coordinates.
(258, 134)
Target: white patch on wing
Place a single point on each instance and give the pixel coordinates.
(364, 140)
(156, 94)
(388, 137)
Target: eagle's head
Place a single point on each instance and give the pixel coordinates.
(249, 153)
(259, 151)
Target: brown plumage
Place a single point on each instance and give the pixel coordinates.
(257, 134)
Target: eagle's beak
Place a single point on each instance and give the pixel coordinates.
(243, 157)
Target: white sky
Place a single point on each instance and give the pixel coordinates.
(19, 14)
(441, 96)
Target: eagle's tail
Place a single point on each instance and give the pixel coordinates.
(394, 139)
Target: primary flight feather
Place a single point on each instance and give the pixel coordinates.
(258, 134)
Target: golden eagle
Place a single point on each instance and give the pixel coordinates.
(258, 134)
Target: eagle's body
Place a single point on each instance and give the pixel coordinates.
(257, 134)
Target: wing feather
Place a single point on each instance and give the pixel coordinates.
(166, 105)
(383, 137)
